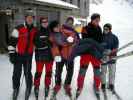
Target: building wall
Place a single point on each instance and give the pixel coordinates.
(18, 12)
(83, 5)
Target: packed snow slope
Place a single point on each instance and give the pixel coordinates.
(120, 16)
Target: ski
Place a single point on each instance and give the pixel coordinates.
(116, 95)
(130, 53)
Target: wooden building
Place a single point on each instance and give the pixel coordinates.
(12, 13)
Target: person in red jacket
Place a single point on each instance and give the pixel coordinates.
(21, 48)
(91, 31)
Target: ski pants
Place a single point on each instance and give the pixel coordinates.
(48, 73)
(69, 75)
(111, 68)
(26, 64)
(84, 62)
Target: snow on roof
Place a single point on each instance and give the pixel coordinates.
(60, 3)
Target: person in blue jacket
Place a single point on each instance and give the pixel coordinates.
(111, 44)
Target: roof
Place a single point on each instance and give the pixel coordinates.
(56, 3)
(59, 2)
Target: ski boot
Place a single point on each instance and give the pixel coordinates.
(111, 88)
(15, 94)
(53, 96)
(67, 89)
(78, 92)
(46, 93)
(36, 92)
(97, 96)
(103, 87)
(97, 93)
(27, 93)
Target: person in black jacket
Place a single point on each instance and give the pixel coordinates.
(43, 55)
(91, 31)
(111, 44)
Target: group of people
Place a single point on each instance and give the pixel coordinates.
(53, 42)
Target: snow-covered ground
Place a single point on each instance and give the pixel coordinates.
(120, 16)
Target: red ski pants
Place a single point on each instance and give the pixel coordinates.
(84, 62)
(48, 73)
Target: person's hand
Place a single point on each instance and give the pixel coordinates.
(113, 52)
(57, 59)
(105, 59)
(70, 39)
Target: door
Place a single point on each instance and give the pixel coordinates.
(4, 32)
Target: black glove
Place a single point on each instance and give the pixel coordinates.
(12, 58)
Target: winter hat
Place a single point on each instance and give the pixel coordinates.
(29, 12)
(94, 16)
(70, 18)
(108, 25)
(52, 25)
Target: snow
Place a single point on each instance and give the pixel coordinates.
(120, 16)
(59, 2)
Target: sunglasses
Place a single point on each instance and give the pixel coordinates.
(44, 21)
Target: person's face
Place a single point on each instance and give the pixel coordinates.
(29, 20)
(96, 22)
(57, 29)
(106, 30)
(44, 23)
(70, 23)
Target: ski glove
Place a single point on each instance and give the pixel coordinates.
(113, 53)
(70, 39)
(57, 59)
(12, 58)
(105, 59)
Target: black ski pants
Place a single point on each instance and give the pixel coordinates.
(25, 63)
(59, 68)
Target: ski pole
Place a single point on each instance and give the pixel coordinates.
(125, 46)
(130, 53)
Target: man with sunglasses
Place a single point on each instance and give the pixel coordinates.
(111, 44)
(91, 31)
(43, 56)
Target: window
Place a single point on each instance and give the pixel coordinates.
(64, 0)
(85, 4)
(79, 3)
(71, 1)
